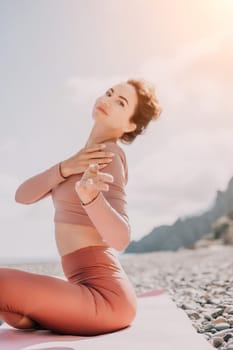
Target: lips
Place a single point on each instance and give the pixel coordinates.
(102, 110)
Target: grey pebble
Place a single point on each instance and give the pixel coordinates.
(217, 312)
(221, 326)
(224, 332)
(217, 341)
(193, 315)
(227, 336)
(208, 327)
(213, 330)
(207, 317)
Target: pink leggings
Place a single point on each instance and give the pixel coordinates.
(97, 297)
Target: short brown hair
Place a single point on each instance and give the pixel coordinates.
(147, 109)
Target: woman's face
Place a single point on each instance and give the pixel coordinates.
(116, 106)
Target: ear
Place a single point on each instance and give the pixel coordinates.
(131, 127)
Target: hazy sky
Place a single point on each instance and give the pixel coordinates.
(56, 57)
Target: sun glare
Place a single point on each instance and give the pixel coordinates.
(223, 11)
(222, 4)
(228, 4)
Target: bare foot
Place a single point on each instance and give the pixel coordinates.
(19, 321)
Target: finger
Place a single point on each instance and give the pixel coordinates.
(94, 171)
(104, 187)
(102, 177)
(95, 148)
(93, 168)
(97, 157)
(100, 156)
(101, 166)
(105, 177)
(101, 186)
(99, 161)
(98, 185)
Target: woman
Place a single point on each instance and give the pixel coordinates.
(90, 219)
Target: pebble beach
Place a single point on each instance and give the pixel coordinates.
(200, 281)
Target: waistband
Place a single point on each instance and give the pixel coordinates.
(90, 256)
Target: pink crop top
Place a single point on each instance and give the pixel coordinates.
(107, 212)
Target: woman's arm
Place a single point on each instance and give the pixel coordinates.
(39, 186)
(108, 213)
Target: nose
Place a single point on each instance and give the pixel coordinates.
(104, 103)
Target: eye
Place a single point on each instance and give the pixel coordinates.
(108, 93)
(121, 103)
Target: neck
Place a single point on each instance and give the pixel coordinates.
(99, 135)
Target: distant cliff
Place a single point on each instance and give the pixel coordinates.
(183, 233)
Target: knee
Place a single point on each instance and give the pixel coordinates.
(4, 273)
(5, 277)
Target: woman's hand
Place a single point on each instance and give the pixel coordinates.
(80, 161)
(91, 183)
